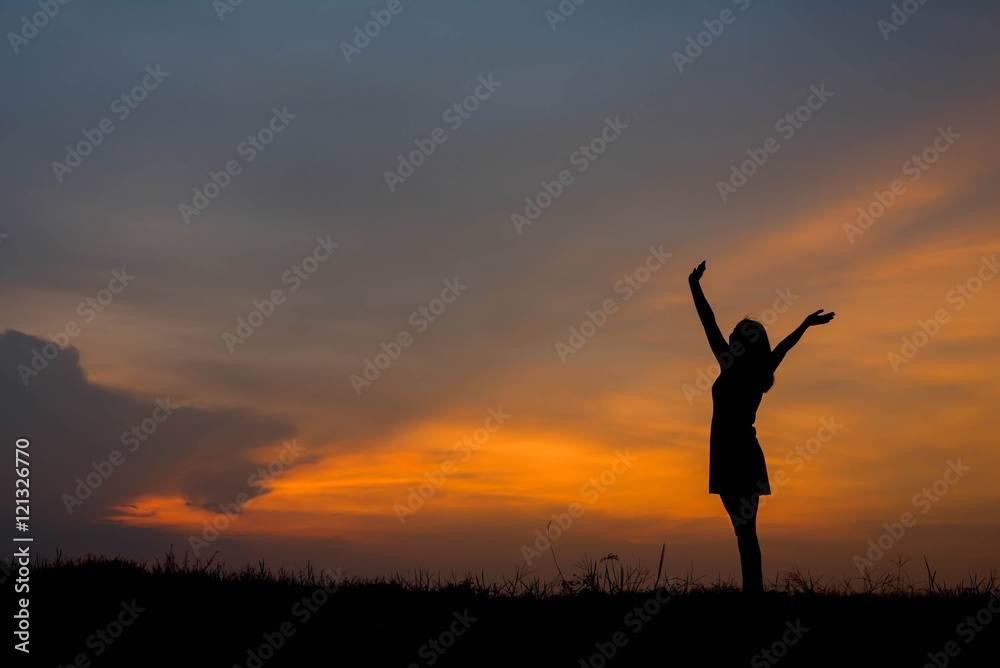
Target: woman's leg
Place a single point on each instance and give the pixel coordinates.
(743, 513)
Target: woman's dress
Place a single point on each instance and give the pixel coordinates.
(736, 461)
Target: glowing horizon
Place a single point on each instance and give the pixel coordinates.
(476, 428)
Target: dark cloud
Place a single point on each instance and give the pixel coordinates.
(201, 455)
(324, 176)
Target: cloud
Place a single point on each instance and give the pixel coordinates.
(164, 447)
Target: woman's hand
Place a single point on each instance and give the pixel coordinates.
(698, 272)
(818, 319)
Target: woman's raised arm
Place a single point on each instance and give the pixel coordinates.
(780, 350)
(715, 338)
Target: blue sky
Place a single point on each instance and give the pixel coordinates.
(323, 176)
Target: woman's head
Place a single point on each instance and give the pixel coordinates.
(754, 350)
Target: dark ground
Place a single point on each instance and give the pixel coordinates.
(185, 618)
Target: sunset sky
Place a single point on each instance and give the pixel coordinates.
(443, 264)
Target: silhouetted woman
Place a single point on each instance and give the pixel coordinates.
(737, 472)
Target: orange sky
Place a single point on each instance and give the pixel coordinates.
(634, 392)
(624, 392)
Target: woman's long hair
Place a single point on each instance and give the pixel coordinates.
(753, 362)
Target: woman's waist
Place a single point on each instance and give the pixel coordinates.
(743, 422)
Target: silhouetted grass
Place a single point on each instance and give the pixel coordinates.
(606, 575)
(521, 619)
